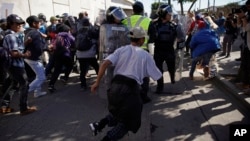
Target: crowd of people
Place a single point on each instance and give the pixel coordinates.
(38, 51)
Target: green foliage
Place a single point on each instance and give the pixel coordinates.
(185, 1)
(154, 7)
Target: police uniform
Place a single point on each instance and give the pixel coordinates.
(164, 35)
(112, 36)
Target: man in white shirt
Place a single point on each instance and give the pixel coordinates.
(132, 64)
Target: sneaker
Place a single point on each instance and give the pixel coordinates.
(51, 89)
(88, 75)
(28, 111)
(5, 110)
(93, 127)
(63, 79)
(39, 94)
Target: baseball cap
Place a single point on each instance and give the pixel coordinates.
(3, 20)
(137, 32)
(53, 18)
(13, 18)
(64, 15)
(31, 19)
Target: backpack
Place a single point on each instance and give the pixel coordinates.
(5, 58)
(83, 40)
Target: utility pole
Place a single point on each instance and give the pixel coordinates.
(199, 4)
(214, 6)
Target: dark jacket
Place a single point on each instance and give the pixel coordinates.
(64, 44)
(36, 46)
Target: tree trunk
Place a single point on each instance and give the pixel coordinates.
(191, 5)
(182, 11)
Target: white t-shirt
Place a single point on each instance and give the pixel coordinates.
(135, 63)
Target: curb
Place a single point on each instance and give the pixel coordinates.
(234, 93)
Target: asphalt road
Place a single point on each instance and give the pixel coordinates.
(189, 110)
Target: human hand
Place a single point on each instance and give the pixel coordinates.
(27, 54)
(29, 40)
(94, 87)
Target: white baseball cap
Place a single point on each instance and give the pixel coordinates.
(137, 32)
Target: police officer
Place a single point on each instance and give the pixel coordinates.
(163, 33)
(113, 34)
(137, 19)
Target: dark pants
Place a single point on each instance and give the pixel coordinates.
(118, 130)
(245, 67)
(60, 62)
(19, 76)
(227, 43)
(6, 97)
(84, 65)
(50, 65)
(125, 106)
(187, 43)
(169, 59)
(145, 87)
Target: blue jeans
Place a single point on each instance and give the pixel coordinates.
(38, 68)
(205, 61)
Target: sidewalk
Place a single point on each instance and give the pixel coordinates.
(227, 73)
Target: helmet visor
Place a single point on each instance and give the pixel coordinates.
(118, 14)
(168, 9)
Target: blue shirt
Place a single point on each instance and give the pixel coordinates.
(14, 42)
(43, 29)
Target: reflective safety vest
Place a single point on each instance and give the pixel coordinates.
(138, 20)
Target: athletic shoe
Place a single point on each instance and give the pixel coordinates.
(39, 94)
(5, 110)
(28, 111)
(94, 128)
(51, 89)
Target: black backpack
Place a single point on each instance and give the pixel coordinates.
(83, 39)
(5, 58)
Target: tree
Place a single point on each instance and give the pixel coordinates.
(154, 7)
(184, 1)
